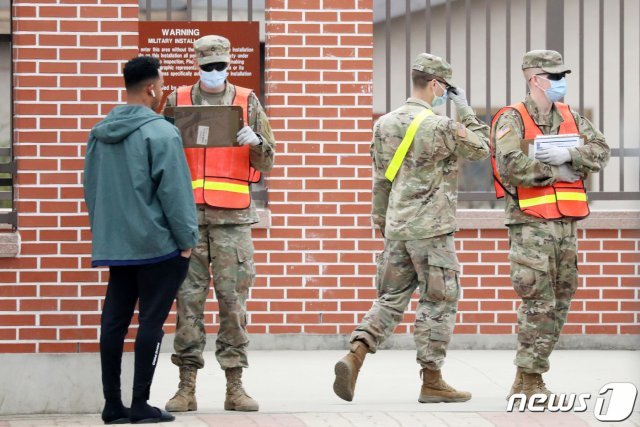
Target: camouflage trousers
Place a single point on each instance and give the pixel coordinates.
(229, 250)
(544, 274)
(431, 266)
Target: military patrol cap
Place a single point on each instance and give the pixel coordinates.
(549, 60)
(433, 65)
(210, 49)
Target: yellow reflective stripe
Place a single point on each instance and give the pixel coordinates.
(566, 195)
(561, 195)
(526, 203)
(401, 152)
(225, 186)
(222, 186)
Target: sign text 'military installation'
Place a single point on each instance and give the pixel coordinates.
(172, 43)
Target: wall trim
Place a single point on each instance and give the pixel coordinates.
(405, 342)
(599, 219)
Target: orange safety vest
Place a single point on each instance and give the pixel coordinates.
(221, 176)
(560, 200)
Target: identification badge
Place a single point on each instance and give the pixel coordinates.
(203, 135)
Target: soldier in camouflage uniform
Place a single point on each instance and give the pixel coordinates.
(543, 252)
(224, 245)
(415, 211)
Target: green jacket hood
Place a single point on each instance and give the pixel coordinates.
(121, 122)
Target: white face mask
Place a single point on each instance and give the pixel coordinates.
(213, 79)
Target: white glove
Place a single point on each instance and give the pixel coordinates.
(460, 100)
(246, 136)
(567, 174)
(553, 155)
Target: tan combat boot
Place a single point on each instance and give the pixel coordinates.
(436, 390)
(185, 398)
(237, 399)
(533, 384)
(347, 370)
(516, 388)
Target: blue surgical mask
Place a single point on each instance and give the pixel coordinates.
(557, 90)
(213, 78)
(440, 100)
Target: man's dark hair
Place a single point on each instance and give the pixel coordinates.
(421, 79)
(140, 71)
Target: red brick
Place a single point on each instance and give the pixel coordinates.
(281, 15)
(496, 329)
(37, 334)
(59, 291)
(267, 318)
(630, 234)
(276, 329)
(618, 318)
(36, 26)
(38, 276)
(57, 12)
(57, 347)
(38, 305)
(86, 26)
(78, 334)
(119, 26)
(99, 12)
(285, 306)
(17, 320)
(7, 334)
(618, 269)
(601, 329)
(303, 4)
(602, 234)
(17, 348)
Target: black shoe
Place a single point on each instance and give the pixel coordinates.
(112, 415)
(161, 417)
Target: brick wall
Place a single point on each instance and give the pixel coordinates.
(316, 263)
(67, 60)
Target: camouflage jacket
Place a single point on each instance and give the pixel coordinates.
(421, 201)
(261, 156)
(517, 169)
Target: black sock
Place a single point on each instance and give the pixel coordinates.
(113, 410)
(141, 410)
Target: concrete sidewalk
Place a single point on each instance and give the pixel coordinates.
(294, 388)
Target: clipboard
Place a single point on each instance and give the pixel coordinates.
(207, 125)
(526, 145)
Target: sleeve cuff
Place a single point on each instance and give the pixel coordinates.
(465, 112)
(575, 158)
(262, 147)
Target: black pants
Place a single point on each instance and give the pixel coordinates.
(153, 287)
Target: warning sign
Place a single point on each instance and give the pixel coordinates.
(172, 43)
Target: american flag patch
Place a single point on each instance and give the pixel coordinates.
(503, 131)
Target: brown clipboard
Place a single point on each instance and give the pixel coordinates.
(207, 125)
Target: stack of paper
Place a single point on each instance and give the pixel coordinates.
(563, 141)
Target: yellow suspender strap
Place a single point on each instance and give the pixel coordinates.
(401, 152)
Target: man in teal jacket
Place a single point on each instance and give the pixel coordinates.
(143, 222)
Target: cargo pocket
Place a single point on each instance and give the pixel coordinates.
(529, 274)
(440, 333)
(380, 268)
(443, 283)
(246, 268)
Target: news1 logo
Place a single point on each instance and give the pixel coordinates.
(621, 402)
